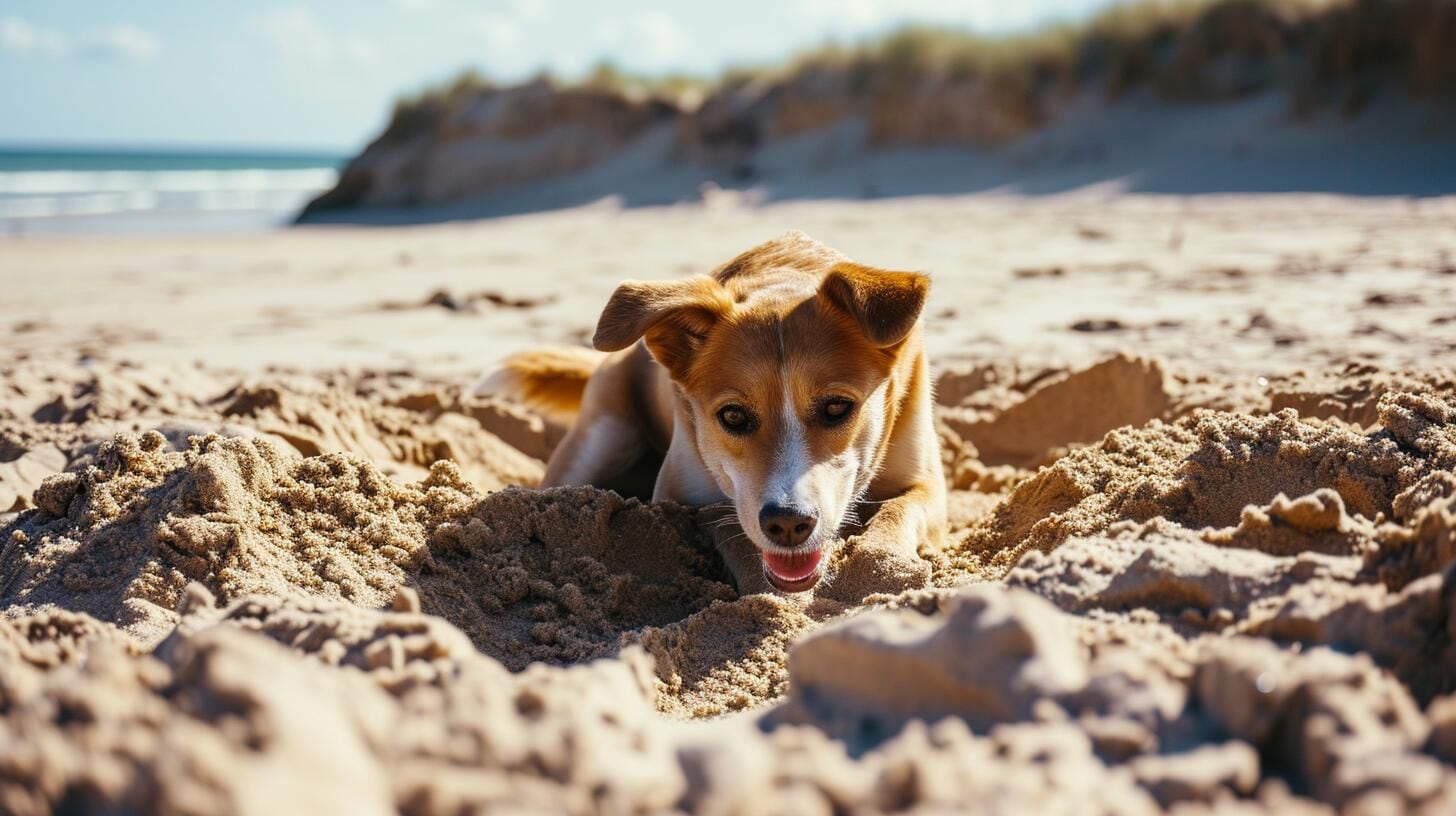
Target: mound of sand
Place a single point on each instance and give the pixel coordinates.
(529, 575)
(55, 417)
(1186, 604)
(1037, 423)
(1229, 475)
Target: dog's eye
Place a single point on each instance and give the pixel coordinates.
(835, 410)
(735, 419)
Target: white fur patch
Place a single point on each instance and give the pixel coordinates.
(874, 419)
(607, 447)
(785, 484)
(502, 382)
(905, 464)
(685, 478)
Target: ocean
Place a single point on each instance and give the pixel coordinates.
(64, 190)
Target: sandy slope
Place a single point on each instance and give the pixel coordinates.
(1204, 459)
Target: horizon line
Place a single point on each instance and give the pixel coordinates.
(146, 147)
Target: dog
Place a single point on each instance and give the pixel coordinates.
(786, 393)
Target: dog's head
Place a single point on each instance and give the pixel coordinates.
(787, 372)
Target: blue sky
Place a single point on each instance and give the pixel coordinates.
(323, 73)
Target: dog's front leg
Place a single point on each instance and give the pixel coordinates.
(884, 557)
(906, 521)
(739, 554)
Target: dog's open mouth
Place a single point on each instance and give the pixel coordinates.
(797, 572)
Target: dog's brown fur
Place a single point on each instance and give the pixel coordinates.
(778, 333)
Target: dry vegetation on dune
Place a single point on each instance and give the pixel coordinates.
(1319, 52)
(917, 87)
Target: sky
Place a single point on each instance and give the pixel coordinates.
(323, 74)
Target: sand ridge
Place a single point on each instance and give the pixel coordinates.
(1103, 613)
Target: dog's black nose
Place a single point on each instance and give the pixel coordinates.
(787, 526)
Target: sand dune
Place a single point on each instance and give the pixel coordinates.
(1200, 559)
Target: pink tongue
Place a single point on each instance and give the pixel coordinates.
(793, 567)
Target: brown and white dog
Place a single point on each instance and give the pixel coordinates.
(787, 391)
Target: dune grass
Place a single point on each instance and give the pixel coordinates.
(1322, 53)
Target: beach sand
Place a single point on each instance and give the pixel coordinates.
(263, 550)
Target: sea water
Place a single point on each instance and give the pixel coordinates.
(49, 190)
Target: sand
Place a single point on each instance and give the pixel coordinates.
(1200, 565)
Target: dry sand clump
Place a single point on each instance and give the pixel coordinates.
(55, 416)
(1190, 607)
(1230, 475)
(552, 576)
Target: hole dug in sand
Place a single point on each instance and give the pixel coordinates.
(1206, 606)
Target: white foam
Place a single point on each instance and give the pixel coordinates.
(32, 196)
(62, 182)
(30, 207)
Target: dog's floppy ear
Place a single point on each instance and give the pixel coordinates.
(673, 316)
(885, 304)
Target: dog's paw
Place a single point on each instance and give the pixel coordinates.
(748, 579)
(867, 568)
(741, 557)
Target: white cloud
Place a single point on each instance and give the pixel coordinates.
(649, 41)
(122, 41)
(531, 9)
(500, 31)
(609, 33)
(20, 36)
(524, 9)
(859, 16)
(297, 33)
(503, 28)
(660, 37)
(360, 49)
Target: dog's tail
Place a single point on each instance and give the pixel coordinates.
(550, 380)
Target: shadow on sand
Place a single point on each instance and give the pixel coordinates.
(1396, 148)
